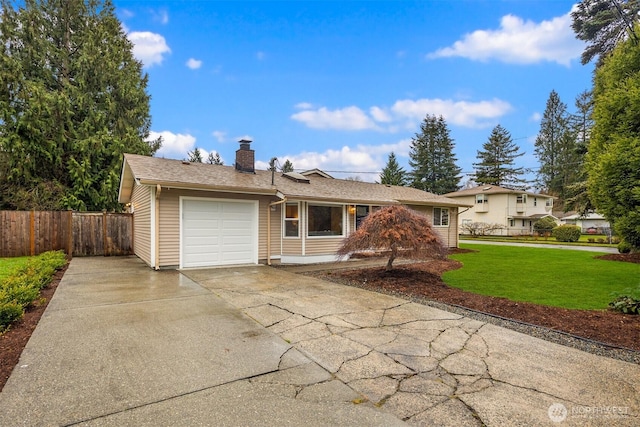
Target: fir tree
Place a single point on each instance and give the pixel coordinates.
(556, 150)
(72, 100)
(215, 159)
(582, 123)
(287, 167)
(432, 159)
(195, 156)
(393, 174)
(497, 160)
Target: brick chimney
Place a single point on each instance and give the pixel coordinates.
(245, 157)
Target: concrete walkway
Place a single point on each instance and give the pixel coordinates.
(120, 344)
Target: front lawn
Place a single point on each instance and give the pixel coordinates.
(554, 277)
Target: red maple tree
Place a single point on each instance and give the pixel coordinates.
(400, 231)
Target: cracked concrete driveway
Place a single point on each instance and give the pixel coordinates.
(122, 345)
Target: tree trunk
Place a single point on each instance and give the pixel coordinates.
(392, 256)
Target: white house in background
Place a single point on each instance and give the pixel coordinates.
(593, 222)
(515, 210)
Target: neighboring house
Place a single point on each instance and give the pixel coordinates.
(198, 215)
(592, 223)
(515, 210)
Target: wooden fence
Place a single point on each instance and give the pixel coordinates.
(77, 233)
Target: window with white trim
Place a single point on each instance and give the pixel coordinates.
(291, 220)
(441, 217)
(482, 198)
(521, 198)
(324, 220)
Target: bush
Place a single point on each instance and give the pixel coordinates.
(627, 302)
(567, 233)
(624, 247)
(9, 313)
(23, 285)
(545, 224)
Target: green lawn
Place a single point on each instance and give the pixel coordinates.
(554, 277)
(7, 265)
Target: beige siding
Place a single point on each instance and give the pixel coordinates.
(170, 222)
(141, 201)
(448, 234)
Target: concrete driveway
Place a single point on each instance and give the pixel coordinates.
(120, 344)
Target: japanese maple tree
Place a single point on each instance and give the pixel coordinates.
(400, 231)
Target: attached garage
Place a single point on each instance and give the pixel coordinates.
(218, 232)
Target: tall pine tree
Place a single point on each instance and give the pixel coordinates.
(556, 150)
(496, 164)
(432, 159)
(392, 173)
(72, 100)
(582, 123)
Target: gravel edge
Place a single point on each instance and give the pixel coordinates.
(547, 334)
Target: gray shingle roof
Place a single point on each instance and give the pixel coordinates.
(490, 189)
(178, 174)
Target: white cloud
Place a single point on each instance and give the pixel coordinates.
(348, 118)
(362, 158)
(161, 16)
(174, 145)
(461, 113)
(406, 114)
(303, 106)
(219, 135)
(535, 117)
(194, 64)
(520, 42)
(148, 47)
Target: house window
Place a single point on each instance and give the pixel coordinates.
(481, 198)
(325, 220)
(361, 214)
(521, 198)
(549, 203)
(291, 220)
(441, 217)
(512, 222)
(535, 201)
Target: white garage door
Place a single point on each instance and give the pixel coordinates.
(218, 233)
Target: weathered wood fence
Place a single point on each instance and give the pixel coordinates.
(77, 233)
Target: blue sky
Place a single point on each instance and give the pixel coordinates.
(338, 85)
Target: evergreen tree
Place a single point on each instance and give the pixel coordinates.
(613, 159)
(72, 101)
(195, 156)
(215, 159)
(556, 150)
(287, 167)
(497, 160)
(582, 124)
(392, 173)
(604, 24)
(432, 159)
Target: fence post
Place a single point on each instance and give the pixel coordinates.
(104, 232)
(70, 233)
(32, 232)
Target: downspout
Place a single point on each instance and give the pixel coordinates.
(157, 248)
(279, 202)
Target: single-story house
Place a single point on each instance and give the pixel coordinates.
(592, 222)
(516, 211)
(198, 215)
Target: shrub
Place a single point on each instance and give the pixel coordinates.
(567, 233)
(545, 224)
(627, 302)
(624, 247)
(9, 313)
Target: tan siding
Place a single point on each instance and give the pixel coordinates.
(449, 234)
(141, 201)
(170, 222)
(323, 246)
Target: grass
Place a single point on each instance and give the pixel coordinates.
(546, 276)
(8, 265)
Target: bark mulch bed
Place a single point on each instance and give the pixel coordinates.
(15, 338)
(421, 281)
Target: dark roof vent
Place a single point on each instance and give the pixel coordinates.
(296, 177)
